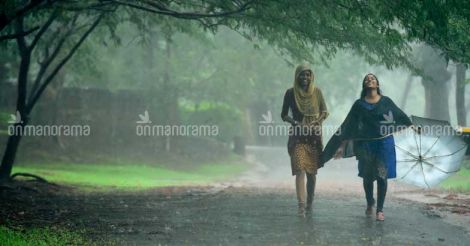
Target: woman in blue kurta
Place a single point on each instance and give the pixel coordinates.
(370, 124)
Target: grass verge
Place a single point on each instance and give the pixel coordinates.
(40, 236)
(459, 182)
(131, 175)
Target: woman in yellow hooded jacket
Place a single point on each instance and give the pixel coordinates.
(308, 109)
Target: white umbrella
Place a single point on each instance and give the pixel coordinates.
(425, 159)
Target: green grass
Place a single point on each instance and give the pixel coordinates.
(458, 182)
(4, 117)
(40, 236)
(131, 175)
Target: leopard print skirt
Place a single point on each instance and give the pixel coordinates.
(305, 154)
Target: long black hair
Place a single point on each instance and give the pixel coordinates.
(364, 89)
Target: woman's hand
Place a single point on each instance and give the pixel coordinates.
(339, 153)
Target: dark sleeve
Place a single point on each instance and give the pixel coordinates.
(400, 117)
(345, 132)
(347, 129)
(285, 106)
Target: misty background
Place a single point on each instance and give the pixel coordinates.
(196, 77)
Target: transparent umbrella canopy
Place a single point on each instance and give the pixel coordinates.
(427, 158)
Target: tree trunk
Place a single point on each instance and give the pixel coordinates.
(436, 100)
(170, 93)
(406, 92)
(3, 72)
(56, 104)
(460, 95)
(14, 139)
(21, 108)
(435, 78)
(9, 156)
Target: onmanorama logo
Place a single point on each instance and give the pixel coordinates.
(144, 128)
(17, 129)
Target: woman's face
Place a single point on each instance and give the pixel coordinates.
(304, 78)
(371, 82)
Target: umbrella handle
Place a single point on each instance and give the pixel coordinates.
(416, 128)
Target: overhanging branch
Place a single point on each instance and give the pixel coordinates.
(42, 30)
(6, 19)
(16, 35)
(49, 58)
(48, 80)
(158, 8)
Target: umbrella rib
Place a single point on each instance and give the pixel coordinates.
(438, 168)
(420, 146)
(411, 154)
(445, 155)
(408, 160)
(432, 146)
(417, 146)
(414, 165)
(424, 176)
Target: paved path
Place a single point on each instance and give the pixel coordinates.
(259, 208)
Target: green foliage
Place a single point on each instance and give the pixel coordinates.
(316, 30)
(226, 118)
(443, 25)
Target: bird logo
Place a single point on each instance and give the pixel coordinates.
(267, 118)
(144, 118)
(388, 118)
(15, 119)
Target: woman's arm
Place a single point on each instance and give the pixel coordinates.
(345, 131)
(340, 152)
(285, 110)
(348, 125)
(401, 118)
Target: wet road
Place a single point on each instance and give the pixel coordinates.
(259, 208)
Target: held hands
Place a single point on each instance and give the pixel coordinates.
(339, 153)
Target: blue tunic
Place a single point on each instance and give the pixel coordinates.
(376, 157)
(369, 127)
(377, 152)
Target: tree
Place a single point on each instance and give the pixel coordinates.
(444, 26)
(51, 64)
(435, 80)
(460, 94)
(304, 29)
(64, 27)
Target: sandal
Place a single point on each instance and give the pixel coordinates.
(369, 209)
(380, 216)
(301, 211)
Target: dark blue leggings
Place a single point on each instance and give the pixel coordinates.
(381, 192)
